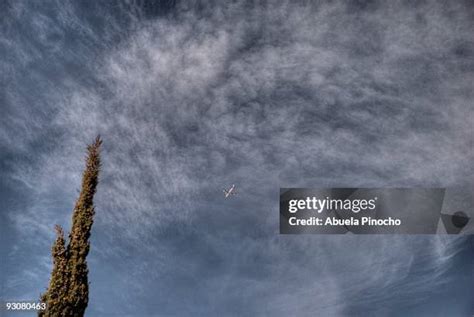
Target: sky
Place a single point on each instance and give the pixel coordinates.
(191, 97)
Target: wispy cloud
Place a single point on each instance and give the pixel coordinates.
(287, 94)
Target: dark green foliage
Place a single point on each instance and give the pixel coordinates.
(58, 284)
(68, 291)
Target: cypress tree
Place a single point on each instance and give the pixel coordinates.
(57, 290)
(68, 291)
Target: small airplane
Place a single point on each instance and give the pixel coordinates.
(230, 191)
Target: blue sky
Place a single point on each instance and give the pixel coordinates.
(192, 97)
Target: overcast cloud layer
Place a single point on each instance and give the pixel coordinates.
(191, 98)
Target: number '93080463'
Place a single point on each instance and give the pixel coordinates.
(24, 306)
